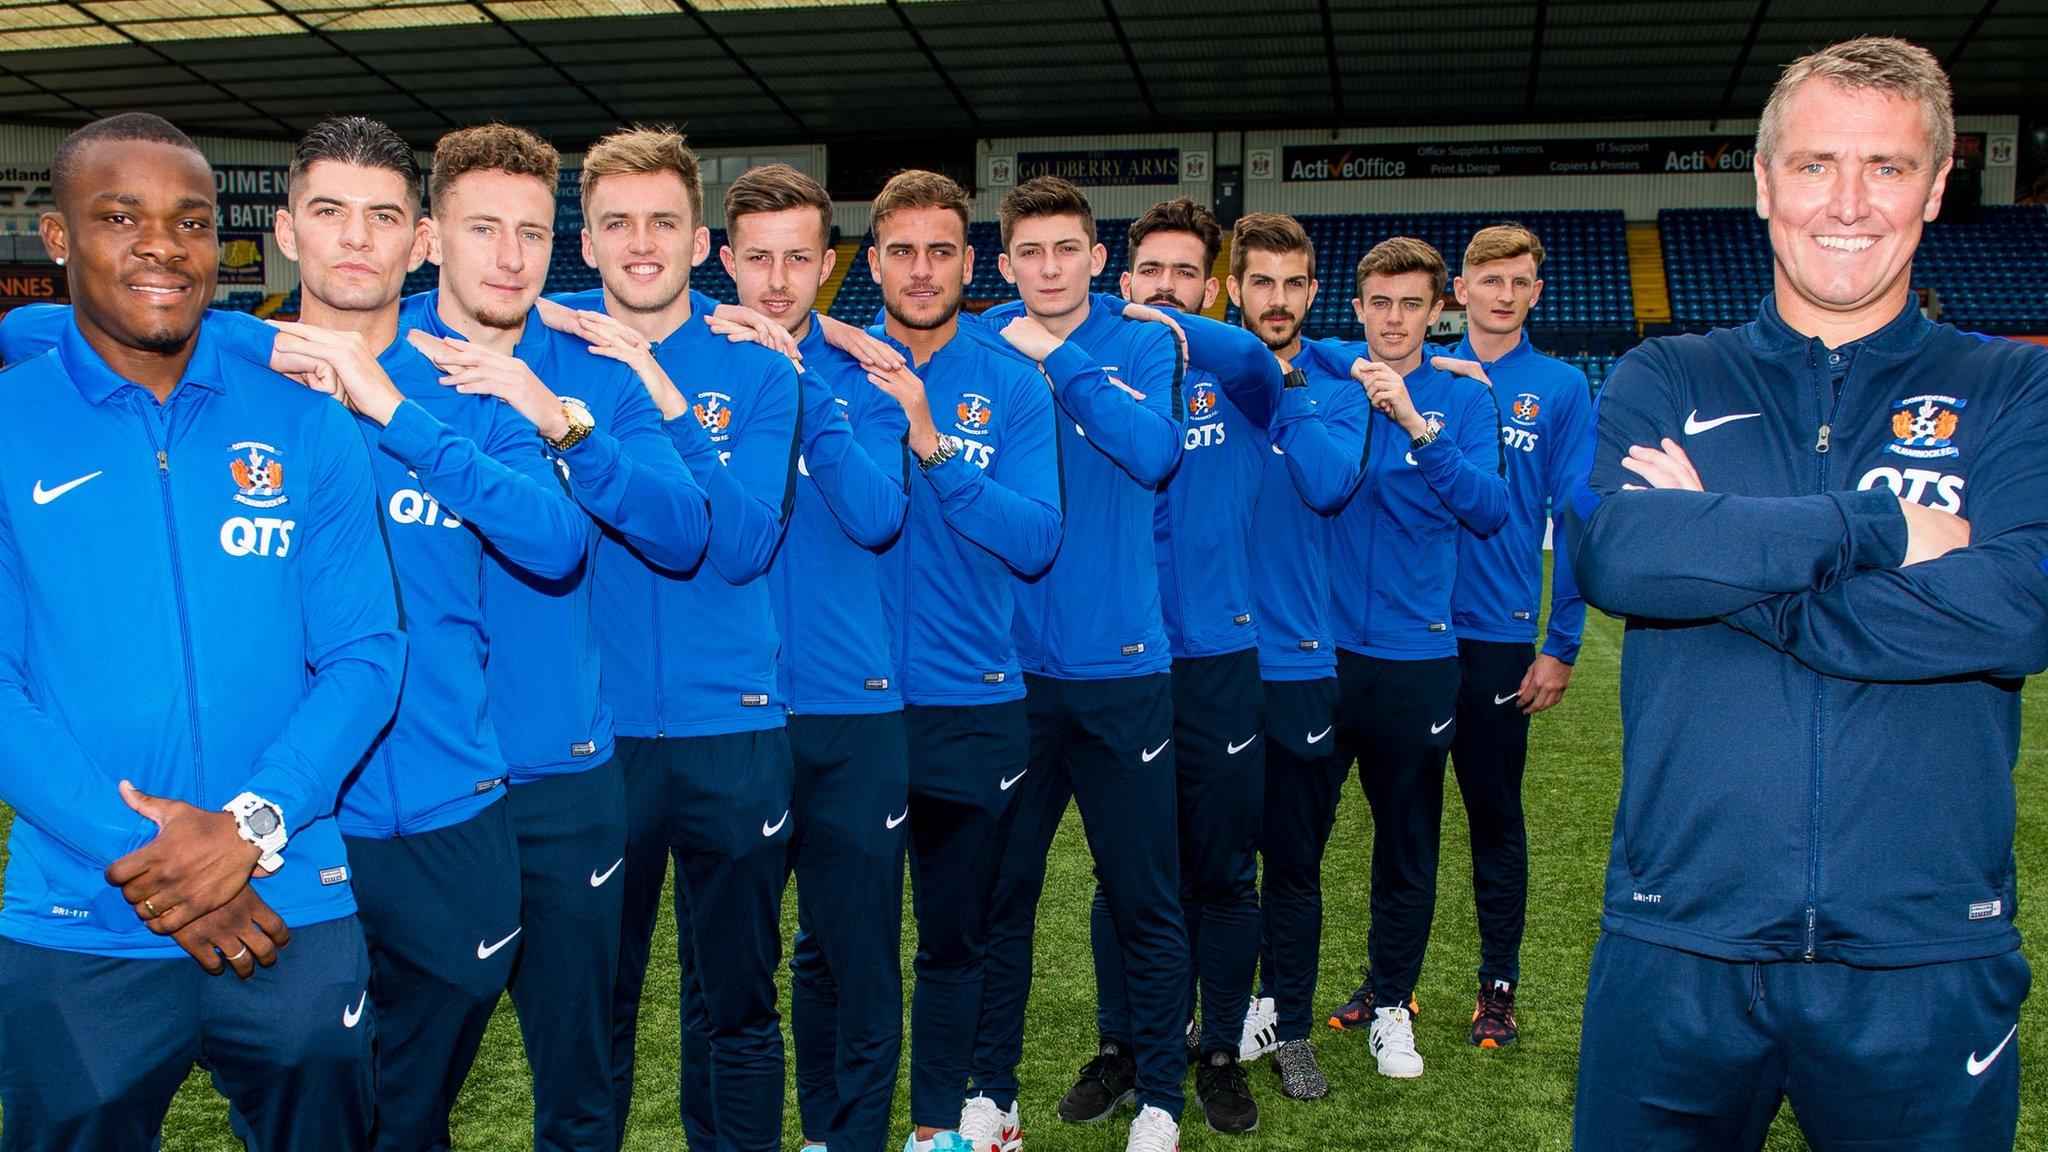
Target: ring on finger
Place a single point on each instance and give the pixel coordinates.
(150, 907)
(239, 955)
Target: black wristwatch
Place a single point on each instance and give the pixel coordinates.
(1295, 378)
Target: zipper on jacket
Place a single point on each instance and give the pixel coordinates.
(660, 673)
(159, 420)
(1830, 395)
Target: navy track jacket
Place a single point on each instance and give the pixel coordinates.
(1818, 744)
(193, 596)
(1546, 431)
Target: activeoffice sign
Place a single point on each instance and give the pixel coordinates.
(1577, 156)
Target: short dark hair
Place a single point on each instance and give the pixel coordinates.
(1269, 232)
(1181, 215)
(917, 188)
(1400, 255)
(1043, 196)
(142, 127)
(778, 188)
(356, 140)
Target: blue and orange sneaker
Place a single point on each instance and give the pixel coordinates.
(1356, 1014)
(1493, 1021)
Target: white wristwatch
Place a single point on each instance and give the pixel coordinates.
(261, 823)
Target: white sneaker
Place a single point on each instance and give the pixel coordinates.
(1153, 1131)
(1261, 1030)
(1393, 1043)
(987, 1128)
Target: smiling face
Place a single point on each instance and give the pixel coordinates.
(1050, 260)
(1170, 269)
(1847, 192)
(136, 231)
(492, 235)
(352, 231)
(1498, 294)
(921, 259)
(640, 236)
(777, 261)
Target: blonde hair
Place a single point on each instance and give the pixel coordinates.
(640, 149)
(491, 148)
(1502, 242)
(1401, 255)
(1884, 64)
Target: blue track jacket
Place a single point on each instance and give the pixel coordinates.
(543, 674)
(850, 502)
(1094, 615)
(194, 597)
(1546, 430)
(976, 523)
(690, 650)
(1394, 547)
(1817, 744)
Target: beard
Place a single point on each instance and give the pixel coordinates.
(164, 341)
(945, 313)
(505, 320)
(1257, 328)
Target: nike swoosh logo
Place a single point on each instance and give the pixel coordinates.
(1154, 754)
(1234, 749)
(1318, 737)
(43, 495)
(1005, 785)
(893, 821)
(485, 952)
(1436, 728)
(768, 829)
(1694, 425)
(597, 878)
(1976, 1067)
(349, 1016)
(1506, 698)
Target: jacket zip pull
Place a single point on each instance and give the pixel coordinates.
(163, 462)
(1821, 445)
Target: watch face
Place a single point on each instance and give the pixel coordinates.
(263, 821)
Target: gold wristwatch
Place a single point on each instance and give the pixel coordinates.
(580, 425)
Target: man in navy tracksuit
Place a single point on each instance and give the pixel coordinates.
(1827, 528)
(1319, 437)
(1433, 470)
(216, 524)
(1202, 531)
(690, 652)
(1094, 649)
(494, 204)
(836, 677)
(984, 511)
(1546, 432)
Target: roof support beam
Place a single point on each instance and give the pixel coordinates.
(740, 62)
(548, 61)
(1756, 27)
(259, 113)
(1116, 26)
(369, 70)
(938, 69)
(1536, 53)
(1330, 61)
(1969, 34)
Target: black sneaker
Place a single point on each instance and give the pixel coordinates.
(1105, 1084)
(1356, 1013)
(1225, 1094)
(1493, 1021)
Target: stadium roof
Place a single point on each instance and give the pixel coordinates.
(765, 71)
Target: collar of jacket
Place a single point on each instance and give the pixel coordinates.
(1899, 338)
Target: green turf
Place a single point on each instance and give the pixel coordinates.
(1519, 1098)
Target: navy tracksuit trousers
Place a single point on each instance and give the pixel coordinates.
(1220, 776)
(1108, 745)
(846, 976)
(719, 806)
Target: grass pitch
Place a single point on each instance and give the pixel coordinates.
(1519, 1098)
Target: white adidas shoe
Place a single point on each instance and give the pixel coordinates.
(1153, 1131)
(1261, 1030)
(987, 1128)
(1393, 1043)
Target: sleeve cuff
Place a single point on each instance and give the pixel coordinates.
(411, 433)
(950, 477)
(1069, 363)
(1876, 528)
